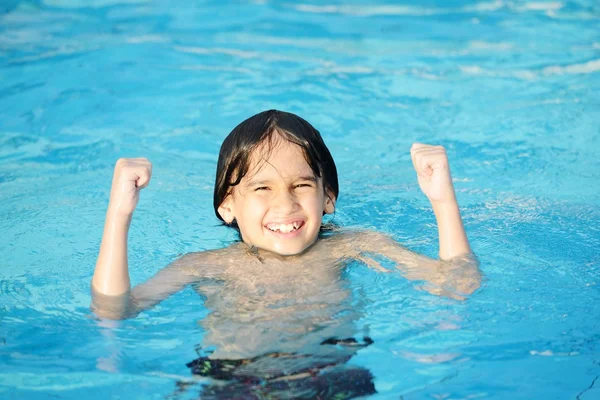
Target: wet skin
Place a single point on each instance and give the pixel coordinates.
(262, 302)
(280, 289)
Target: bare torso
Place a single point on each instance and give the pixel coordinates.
(262, 303)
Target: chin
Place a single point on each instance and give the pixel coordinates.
(284, 246)
(287, 251)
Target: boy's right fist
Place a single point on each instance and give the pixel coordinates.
(131, 175)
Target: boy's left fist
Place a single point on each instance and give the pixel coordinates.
(433, 172)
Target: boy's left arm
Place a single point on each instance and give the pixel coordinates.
(435, 180)
(456, 273)
(456, 278)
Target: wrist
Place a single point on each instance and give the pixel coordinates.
(117, 216)
(444, 207)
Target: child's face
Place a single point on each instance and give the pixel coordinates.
(279, 204)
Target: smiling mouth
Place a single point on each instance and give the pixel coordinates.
(285, 228)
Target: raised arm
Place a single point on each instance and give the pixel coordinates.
(111, 294)
(435, 180)
(111, 276)
(456, 273)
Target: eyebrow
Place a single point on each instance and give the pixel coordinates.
(309, 178)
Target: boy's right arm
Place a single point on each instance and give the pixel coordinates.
(111, 276)
(166, 282)
(111, 294)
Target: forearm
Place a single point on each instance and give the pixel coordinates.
(452, 236)
(111, 276)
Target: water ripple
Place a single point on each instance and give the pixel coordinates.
(416, 11)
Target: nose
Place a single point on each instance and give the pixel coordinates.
(285, 202)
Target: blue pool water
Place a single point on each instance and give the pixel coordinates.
(509, 87)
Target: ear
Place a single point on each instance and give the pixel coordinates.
(226, 210)
(329, 203)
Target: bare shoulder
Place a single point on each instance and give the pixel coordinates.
(208, 263)
(355, 236)
(351, 242)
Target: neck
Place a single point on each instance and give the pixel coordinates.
(266, 255)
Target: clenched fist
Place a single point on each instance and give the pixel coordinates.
(433, 172)
(131, 175)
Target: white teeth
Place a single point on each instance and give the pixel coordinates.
(284, 228)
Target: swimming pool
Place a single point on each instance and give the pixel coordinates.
(507, 86)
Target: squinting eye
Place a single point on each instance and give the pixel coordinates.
(261, 188)
(303, 185)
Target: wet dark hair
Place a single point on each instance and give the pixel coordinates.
(244, 139)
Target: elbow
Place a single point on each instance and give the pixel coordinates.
(466, 275)
(109, 314)
(113, 307)
(469, 287)
(470, 281)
